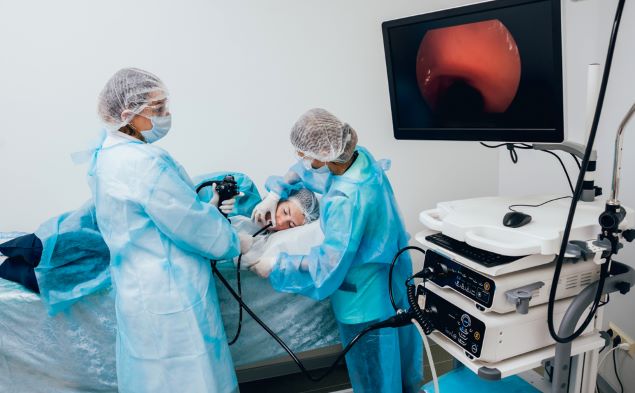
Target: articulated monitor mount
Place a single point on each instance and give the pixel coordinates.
(589, 190)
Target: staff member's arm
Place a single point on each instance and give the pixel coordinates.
(191, 224)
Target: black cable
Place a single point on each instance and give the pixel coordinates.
(548, 373)
(523, 146)
(512, 154)
(240, 309)
(578, 193)
(604, 303)
(544, 203)
(564, 168)
(240, 289)
(398, 320)
(392, 265)
(577, 160)
(494, 146)
(511, 147)
(293, 356)
(617, 375)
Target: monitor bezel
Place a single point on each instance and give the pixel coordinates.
(550, 135)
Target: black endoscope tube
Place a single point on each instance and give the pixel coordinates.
(392, 266)
(240, 289)
(578, 193)
(284, 346)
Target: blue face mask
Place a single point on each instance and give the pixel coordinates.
(160, 127)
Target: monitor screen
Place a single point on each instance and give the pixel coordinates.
(485, 72)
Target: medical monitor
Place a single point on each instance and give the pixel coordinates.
(485, 72)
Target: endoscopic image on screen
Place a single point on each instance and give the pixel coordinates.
(494, 69)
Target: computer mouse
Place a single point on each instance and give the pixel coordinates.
(516, 219)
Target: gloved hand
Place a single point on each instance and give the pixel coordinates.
(263, 266)
(228, 205)
(268, 205)
(245, 242)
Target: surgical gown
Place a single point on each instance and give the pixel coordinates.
(170, 335)
(75, 259)
(363, 231)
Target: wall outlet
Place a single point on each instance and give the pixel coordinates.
(625, 338)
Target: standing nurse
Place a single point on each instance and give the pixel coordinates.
(363, 231)
(170, 335)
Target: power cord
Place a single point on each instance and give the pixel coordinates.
(617, 344)
(617, 375)
(511, 147)
(510, 207)
(523, 146)
(576, 159)
(566, 173)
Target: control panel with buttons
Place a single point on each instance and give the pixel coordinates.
(448, 273)
(456, 324)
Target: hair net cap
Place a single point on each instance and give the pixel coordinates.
(129, 89)
(320, 135)
(308, 203)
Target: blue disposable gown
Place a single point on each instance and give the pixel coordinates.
(74, 260)
(170, 335)
(363, 231)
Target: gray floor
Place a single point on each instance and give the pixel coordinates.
(336, 382)
(297, 383)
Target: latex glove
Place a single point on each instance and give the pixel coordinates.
(268, 205)
(245, 242)
(291, 177)
(228, 205)
(264, 266)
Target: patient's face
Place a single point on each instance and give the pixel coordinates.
(288, 215)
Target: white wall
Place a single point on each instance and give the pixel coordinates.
(240, 73)
(587, 28)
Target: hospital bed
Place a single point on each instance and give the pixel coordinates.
(74, 351)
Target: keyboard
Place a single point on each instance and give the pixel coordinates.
(485, 258)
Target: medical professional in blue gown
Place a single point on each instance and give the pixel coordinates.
(363, 231)
(170, 335)
(66, 259)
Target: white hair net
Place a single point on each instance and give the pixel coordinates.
(308, 203)
(131, 90)
(320, 135)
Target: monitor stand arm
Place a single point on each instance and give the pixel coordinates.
(589, 191)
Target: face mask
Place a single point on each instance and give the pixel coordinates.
(306, 162)
(160, 127)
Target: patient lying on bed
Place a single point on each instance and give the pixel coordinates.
(300, 209)
(74, 350)
(66, 259)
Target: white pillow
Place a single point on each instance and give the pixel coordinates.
(297, 240)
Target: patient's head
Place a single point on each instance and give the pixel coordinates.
(300, 208)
